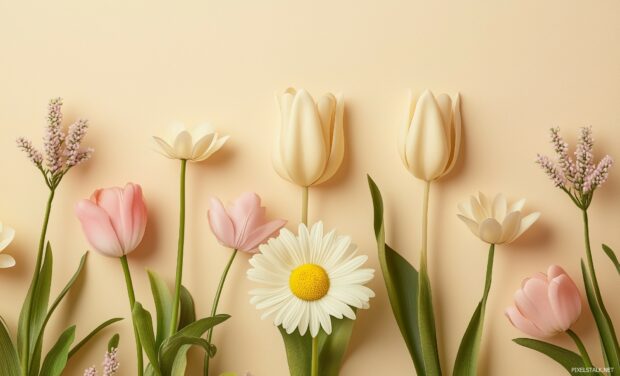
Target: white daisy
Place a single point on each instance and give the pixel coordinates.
(309, 278)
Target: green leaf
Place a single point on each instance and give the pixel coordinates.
(113, 342)
(467, 357)
(9, 361)
(298, 352)
(333, 347)
(163, 306)
(35, 306)
(401, 281)
(180, 362)
(565, 358)
(188, 309)
(603, 324)
(144, 323)
(170, 349)
(426, 325)
(56, 359)
(38, 346)
(612, 256)
(90, 335)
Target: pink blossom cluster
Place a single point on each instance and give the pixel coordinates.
(62, 151)
(580, 174)
(110, 365)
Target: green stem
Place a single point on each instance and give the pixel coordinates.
(586, 230)
(35, 280)
(581, 347)
(314, 370)
(216, 302)
(304, 205)
(179, 273)
(489, 276)
(132, 301)
(427, 189)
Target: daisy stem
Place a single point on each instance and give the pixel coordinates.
(132, 301)
(314, 371)
(304, 205)
(216, 301)
(25, 360)
(179, 274)
(581, 347)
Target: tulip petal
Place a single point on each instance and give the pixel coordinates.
(517, 206)
(500, 206)
(201, 130)
(285, 102)
(183, 145)
(220, 223)
(477, 210)
(326, 107)
(473, 225)
(427, 148)
(139, 217)
(526, 223)
(532, 300)
(337, 143)
(565, 301)
(7, 234)
(304, 153)
(98, 228)
(485, 203)
(202, 145)
(523, 324)
(490, 231)
(510, 226)
(164, 149)
(215, 145)
(6, 261)
(261, 234)
(456, 133)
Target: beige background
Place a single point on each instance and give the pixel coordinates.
(133, 67)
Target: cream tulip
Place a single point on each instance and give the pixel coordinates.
(309, 145)
(496, 222)
(194, 145)
(430, 139)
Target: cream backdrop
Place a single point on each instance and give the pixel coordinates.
(132, 67)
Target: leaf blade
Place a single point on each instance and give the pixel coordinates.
(56, 359)
(93, 333)
(612, 256)
(163, 306)
(566, 358)
(9, 359)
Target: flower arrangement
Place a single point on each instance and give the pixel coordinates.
(311, 282)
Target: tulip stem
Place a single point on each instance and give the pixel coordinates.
(179, 274)
(304, 205)
(25, 360)
(314, 370)
(132, 302)
(427, 191)
(489, 276)
(581, 347)
(216, 302)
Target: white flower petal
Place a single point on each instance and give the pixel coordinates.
(490, 231)
(526, 223)
(510, 226)
(500, 206)
(6, 261)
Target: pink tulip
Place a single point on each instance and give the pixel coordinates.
(546, 304)
(114, 219)
(243, 225)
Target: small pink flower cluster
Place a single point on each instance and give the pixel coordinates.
(62, 151)
(110, 365)
(580, 175)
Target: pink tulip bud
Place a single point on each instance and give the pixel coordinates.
(546, 304)
(114, 219)
(243, 226)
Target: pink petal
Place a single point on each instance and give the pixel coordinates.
(246, 215)
(221, 225)
(565, 300)
(555, 271)
(261, 234)
(139, 216)
(523, 324)
(98, 228)
(533, 302)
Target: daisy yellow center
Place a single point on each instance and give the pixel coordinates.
(309, 282)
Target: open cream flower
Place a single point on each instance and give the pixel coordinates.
(309, 278)
(6, 237)
(309, 145)
(194, 145)
(496, 222)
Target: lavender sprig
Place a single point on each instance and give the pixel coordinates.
(62, 151)
(579, 178)
(110, 364)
